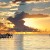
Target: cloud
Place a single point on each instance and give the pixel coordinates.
(29, 6)
(40, 9)
(37, 9)
(32, 0)
(3, 3)
(19, 23)
(8, 5)
(47, 8)
(5, 6)
(7, 13)
(14, 9)
(11, 4)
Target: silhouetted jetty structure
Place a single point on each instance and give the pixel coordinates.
(6, 35)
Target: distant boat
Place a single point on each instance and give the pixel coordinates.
(6, 35)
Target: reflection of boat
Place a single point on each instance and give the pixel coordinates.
(6, 35)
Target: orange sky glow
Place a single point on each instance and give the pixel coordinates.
(39, 23)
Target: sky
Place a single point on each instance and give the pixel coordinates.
(7, 8)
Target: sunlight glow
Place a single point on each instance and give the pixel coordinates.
(9, 24)
(39, 23)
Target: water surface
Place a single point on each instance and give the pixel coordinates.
(26, 42)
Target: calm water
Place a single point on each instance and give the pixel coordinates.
(26, 42)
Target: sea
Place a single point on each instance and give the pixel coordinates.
(26, 42)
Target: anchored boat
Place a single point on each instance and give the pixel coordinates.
(6, 35)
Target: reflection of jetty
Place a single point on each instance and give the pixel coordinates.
(6, 35)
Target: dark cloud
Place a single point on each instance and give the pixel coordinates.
(21, 0)
(19, 23)
(26, 15)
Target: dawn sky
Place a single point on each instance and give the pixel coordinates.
(7, 8)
